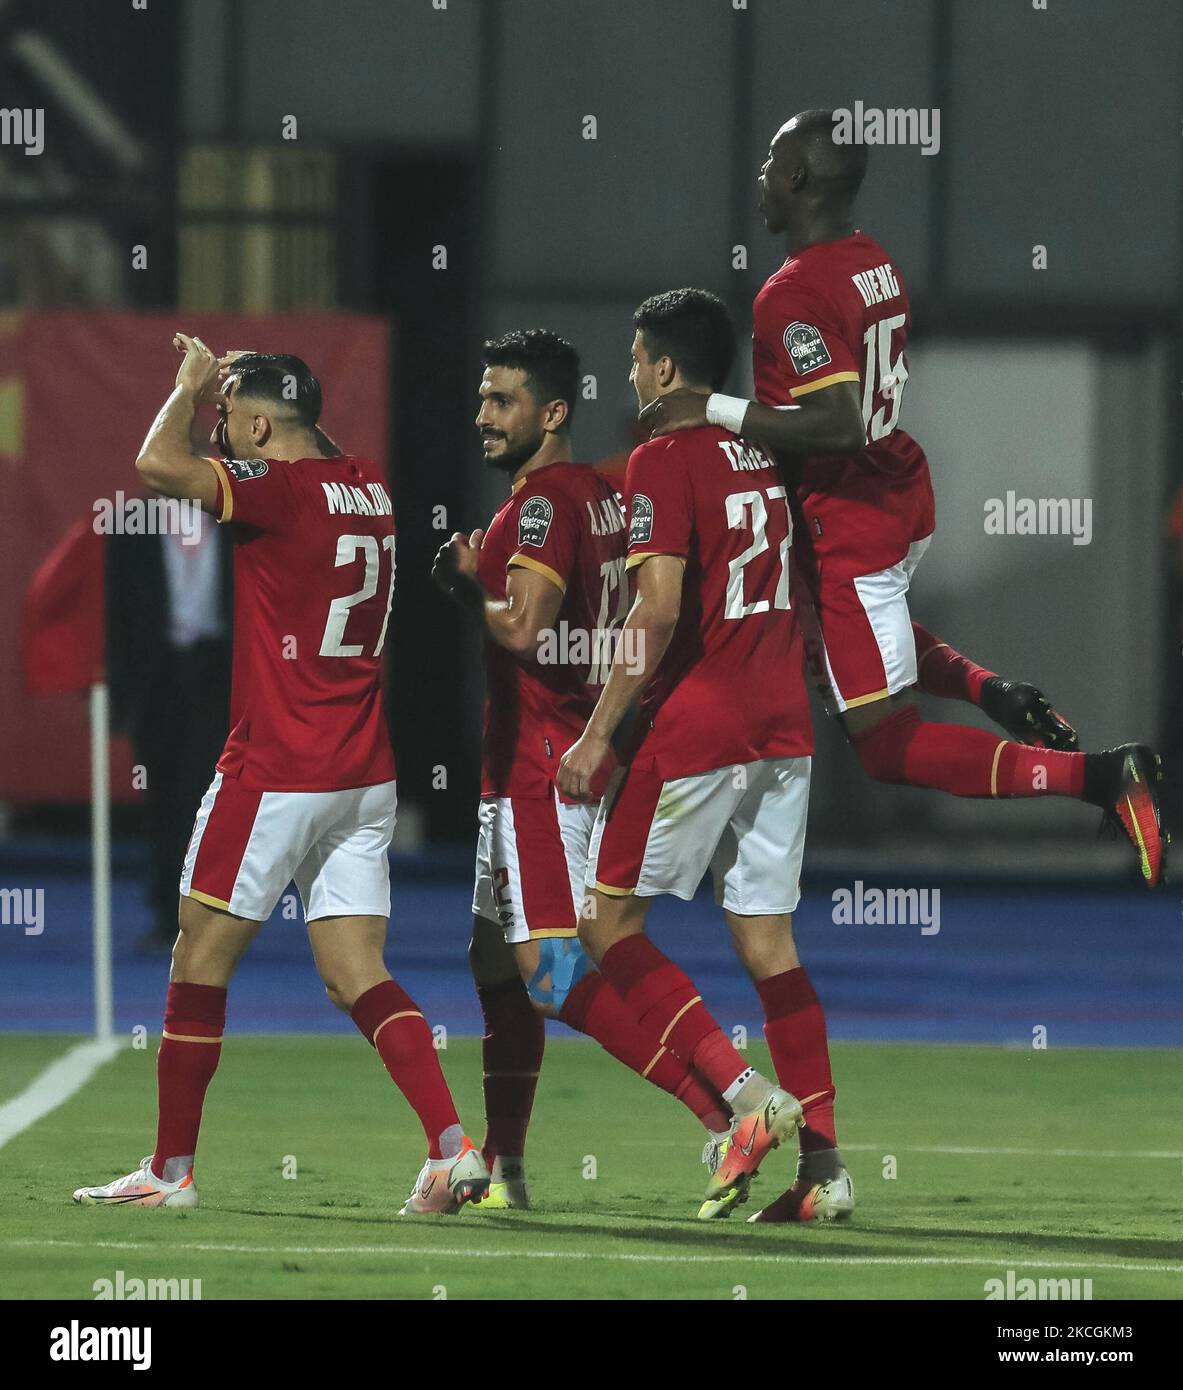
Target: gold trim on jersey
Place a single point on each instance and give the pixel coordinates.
(614, 892)
(188, 1037)
(208, 900)
(639, 555)
(227, 496)
(527, 562)
(868, 699)
(822, 381)
(548, 933)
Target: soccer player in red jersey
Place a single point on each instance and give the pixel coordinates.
(305, 788)
(547, 582)
(831, 327)
(718, 775)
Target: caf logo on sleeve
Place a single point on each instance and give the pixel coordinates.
(640, 530)
(245, 469)
(534, 521)
(803, 343)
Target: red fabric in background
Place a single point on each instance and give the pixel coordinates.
(63, 625)
(78, 392)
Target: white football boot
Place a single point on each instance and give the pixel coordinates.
(141, 1189)
(444, 1185)
(825, 1199)
(507, 1187)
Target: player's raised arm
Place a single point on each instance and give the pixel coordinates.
(825, 421)
(166, 460)
(517, 622)
(644, 640)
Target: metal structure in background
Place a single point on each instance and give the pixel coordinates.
(257, 228)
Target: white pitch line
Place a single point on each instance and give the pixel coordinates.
(53, 1087)
(748, 1256)
(1023, 1153)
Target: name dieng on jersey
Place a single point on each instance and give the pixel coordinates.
(372, 500)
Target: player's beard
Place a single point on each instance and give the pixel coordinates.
(515, 455)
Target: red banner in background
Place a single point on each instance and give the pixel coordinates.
(77, 394)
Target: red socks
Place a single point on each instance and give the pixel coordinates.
(795, 1028)
(663, 998)
(967, 762)
(388, 1018)
(942, 671)
(194, 1020)
(512, 1047)
(594, 1007)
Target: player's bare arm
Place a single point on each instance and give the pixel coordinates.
(653, 617)
(827, 421)
(166, 460)
(517, 622)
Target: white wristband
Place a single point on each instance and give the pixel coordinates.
(727, 411)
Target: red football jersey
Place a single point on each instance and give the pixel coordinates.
(313, 581)
(565, 522)
(730, 687)
(838, 311)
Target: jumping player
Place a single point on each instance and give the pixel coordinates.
(719, 774)
(547, 583)
(305, 787)
(831, 327)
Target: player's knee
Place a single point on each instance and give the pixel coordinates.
(339, 998)
(882, 749)
(490, 958)
(562, 963)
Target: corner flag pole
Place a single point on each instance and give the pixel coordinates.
(100, 858)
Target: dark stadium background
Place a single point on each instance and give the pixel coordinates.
(462, 126)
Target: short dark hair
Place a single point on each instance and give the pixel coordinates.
(550, 363)
(839, 167)
(692, 328)
(282, 378)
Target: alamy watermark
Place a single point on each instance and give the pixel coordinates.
(596, 649)
(894, 125)
(1022, 1290)
(888, 907)
(23, 125)
(1040, 516)
(148, 516)
(23, 907)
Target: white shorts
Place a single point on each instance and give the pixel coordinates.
(247, 846)
(531, 856)
(859, 646)
(745, 823)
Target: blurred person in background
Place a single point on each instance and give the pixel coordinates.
(169, 643)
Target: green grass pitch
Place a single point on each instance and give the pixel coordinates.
(1059, 1164)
